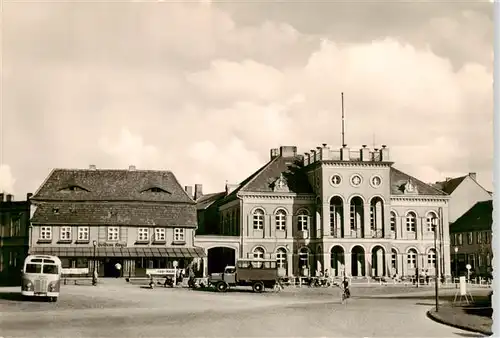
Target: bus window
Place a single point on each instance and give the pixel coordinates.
(243, 264)
(37, 260)
(33, 268)
(49, 261)
(50, 269)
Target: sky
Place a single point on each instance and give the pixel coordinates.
(205, 89)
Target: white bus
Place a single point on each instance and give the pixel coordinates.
(41, 277)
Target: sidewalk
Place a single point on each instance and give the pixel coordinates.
(475, 317)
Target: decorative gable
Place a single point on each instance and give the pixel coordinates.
(280, 184)
(409, 188)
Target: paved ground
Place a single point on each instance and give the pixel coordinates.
(132, 311)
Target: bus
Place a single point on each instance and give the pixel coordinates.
(41, 277)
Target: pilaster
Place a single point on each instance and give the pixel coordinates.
(366, 222)
(325, 212)
(347, 220)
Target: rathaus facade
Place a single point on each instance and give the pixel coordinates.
(347, 211)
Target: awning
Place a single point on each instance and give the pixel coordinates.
(121, 252)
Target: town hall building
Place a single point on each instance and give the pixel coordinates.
(350, 212)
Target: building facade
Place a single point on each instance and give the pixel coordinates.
(470, 237)
(347, 211)
(141, 219)
(14, 238)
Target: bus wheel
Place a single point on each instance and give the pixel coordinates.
(258, 287)
(222, 287)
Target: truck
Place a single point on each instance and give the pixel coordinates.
(257, 273)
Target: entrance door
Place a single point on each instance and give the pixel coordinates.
(110, 269)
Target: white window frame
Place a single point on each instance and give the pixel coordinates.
(65, 233)
(258, 219)
(46, 233)
(280, 219)
(143, 234)
(113, 233)
(430, 225)
(412, 259)
(303, 256)
(179, 234)
(470, 238)
(303, 220)
(392, 221)
(431, 258)
(411, 222)
(281, 258)
(160, 234)
(83, 233)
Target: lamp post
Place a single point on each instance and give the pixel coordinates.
(456, 261)
(436, 267)
(94, 279)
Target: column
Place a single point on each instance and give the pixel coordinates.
(205, 266)
(317, 224)
(366, 221)
(325, 212)
(347, 220)
(387, 221)
(289, 226)
(347, 265)
(402, 227)
(327, 266)
(388, 264)
(249, 228)
(289, 262)
(368, 264)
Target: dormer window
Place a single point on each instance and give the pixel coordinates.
(156, 190)
(73, 187)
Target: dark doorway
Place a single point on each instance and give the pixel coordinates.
(110, 269)
(219, 258)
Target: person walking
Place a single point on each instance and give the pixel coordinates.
(346, 293)
(118, 268)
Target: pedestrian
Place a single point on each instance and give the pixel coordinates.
(118, 267)
(345, 287)
(94, 280)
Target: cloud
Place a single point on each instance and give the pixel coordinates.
(7, 180)
(197, 88)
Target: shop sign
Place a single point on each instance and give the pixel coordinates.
(161, 271)
(75, 271)
(112, 244)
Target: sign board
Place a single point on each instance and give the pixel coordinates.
(468, 266)
(75, 271)
(171, 272)
(463, 286)
(112, 245)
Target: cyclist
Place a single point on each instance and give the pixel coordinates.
(345, 288)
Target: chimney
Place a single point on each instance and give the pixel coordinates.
(275, 152)
(92, 167)
(384, 153)
(28, 196)
(198, 191)
(473, 176)
(307, 159)
(288, 151)
(131, 168)
(9, 198)
(230, 188)
(448, 179)
(314, 157)
(189, 190)
(344, 153)
(365, 153)
(1, 197)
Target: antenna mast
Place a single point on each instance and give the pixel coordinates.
(343, 136)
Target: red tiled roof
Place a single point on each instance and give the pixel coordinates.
(112, 185)
(134, 214)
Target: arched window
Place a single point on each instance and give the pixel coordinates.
(394, 261)
(303, 220)
(411, 222)
(393, 221)
(430, 224)
(280, 220)
(412, 258)
(303, 258)
(281, 258)
(356, 215)
(377, 217)
(431, 258)
(258, 253)
(336, 217)
(258, 219)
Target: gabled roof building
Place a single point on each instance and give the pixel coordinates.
(139, 219)
(349, 212)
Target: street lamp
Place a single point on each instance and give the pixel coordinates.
(436, 266)
(456, 261)
(94, 279)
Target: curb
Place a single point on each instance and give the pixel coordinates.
(431, 315)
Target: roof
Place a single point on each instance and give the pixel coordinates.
(112, 185)
(207, 200)
(477, 218)
(399, 179)
(450, 185)
(120, 252)
(137, 214)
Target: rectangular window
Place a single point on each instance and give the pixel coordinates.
(178, 235)
(412, 260)
(460, 240)
(142, 234)
(46, 233)
(353, 217)
(113, 233)
(470, 238)
(65, 233)
(160, 234)
(488, 260)
(472, 260)
(452, 239)
(83, 233)
(486, 237)
(372, 217)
